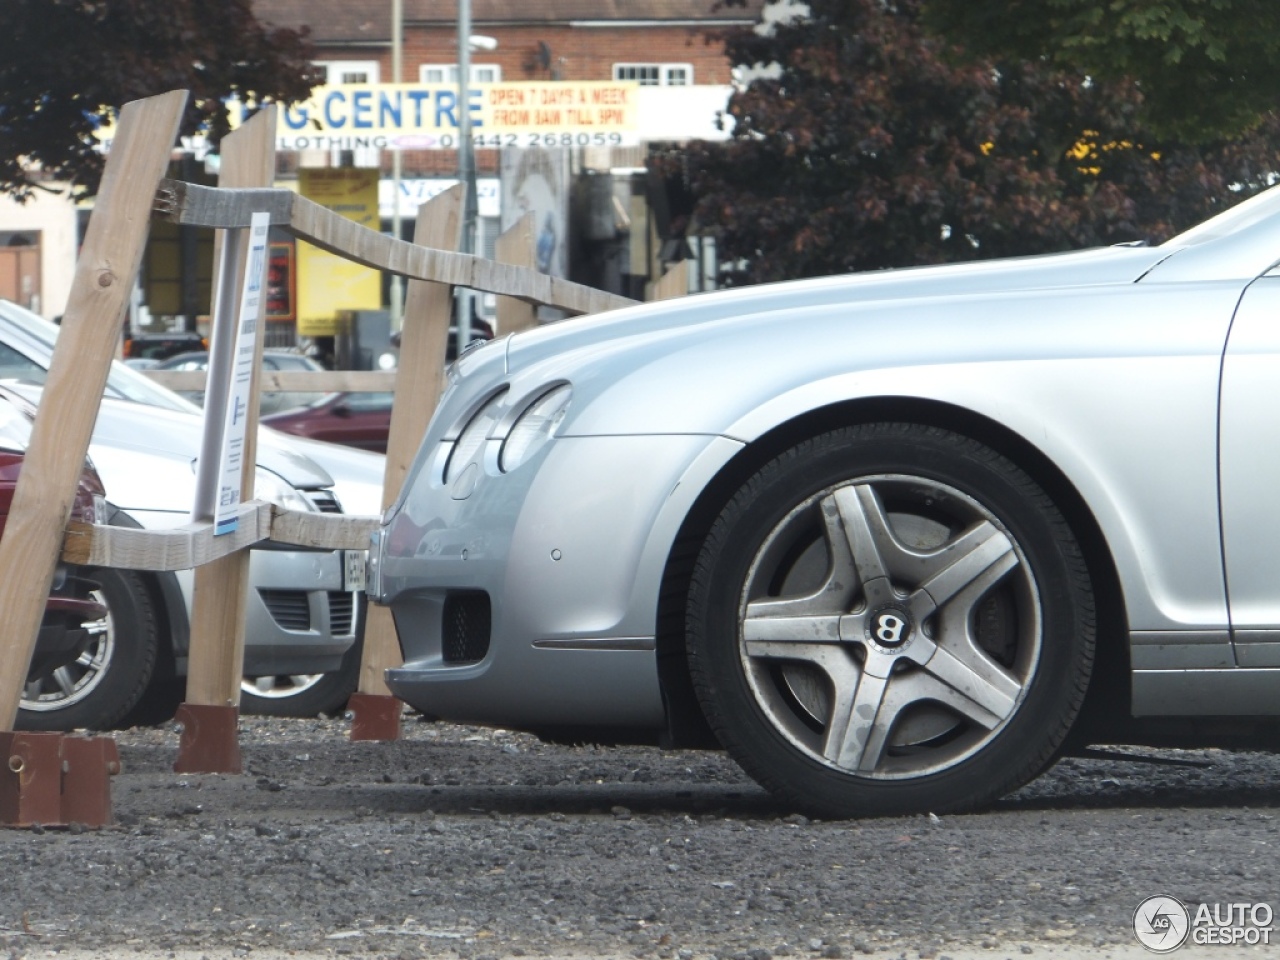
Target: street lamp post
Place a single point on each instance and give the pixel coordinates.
(466, 165)
(397, 171)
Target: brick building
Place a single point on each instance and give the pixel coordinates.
(613, 225)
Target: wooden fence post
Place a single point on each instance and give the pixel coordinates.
(673, 283)
(104, 278)
(209, 716)
(419, 380)
(516, 247)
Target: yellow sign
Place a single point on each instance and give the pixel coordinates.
(405, 116)
(328, 283)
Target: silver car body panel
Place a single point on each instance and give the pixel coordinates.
(1250, 463)
(356, 475)
(577, 607)
(1109, 363)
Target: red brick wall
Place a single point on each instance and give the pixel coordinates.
(576, 53)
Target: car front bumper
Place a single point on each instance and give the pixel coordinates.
(299, 618)
(529, 599)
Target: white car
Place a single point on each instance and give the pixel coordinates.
(303, 620)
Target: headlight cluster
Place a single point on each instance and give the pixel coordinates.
(526, 434)
(470, 443)
(534, 427)
(273, 488)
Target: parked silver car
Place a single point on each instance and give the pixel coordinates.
(891, 537)
(303, 619)
(269, 401)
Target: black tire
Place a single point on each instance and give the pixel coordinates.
(306, 695)
(111, 676)
(890, 619)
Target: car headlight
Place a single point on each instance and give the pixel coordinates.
(273, 488)
(469, 443)
(534, 427)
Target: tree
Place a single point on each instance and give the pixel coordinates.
(874, 148)
(1207, 68)
(66, 65)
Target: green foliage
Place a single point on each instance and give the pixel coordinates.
(1207, 68)
(65, 65)
(875, 147)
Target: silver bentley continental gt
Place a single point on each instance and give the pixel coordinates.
(894, 540)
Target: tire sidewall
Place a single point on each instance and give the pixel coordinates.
(126, 675)
(1050, 700)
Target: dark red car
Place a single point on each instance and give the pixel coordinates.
(355, 419)
(71, 612)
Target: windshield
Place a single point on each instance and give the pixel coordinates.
(1242, 215)
(31, 337)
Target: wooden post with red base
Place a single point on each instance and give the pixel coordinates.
(419, 380)
(210, 741)
(374, 716)
(88, 763)
(55, 780)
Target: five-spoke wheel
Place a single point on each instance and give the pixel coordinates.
(888, 619)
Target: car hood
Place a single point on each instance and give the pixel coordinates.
(357, 474)
(1102, 266)
(146, 455)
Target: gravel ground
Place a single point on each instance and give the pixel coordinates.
(457, 842)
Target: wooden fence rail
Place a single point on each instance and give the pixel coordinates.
(189, 204)
(194, 544)
(317, 381)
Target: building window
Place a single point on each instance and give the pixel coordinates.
(337, 73)
(349, 71)
(655, 74)
(448, 73)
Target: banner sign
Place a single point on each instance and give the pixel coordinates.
(327, 282)
(231, 464)
(544, 114)
(404, 116)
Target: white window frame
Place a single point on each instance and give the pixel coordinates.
(480, 73)
(368, 67)
(666, 73)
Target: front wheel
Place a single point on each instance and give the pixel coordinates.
(890, 619)
(308, 694)
(109, 679)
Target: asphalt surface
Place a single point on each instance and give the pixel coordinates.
(468, 843)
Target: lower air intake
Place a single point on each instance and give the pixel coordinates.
(341, 612)
(289, 608)
(467, 621)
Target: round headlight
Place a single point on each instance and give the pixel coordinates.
(534, 427)
(471, 440)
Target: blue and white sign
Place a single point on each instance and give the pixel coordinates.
(231, 457)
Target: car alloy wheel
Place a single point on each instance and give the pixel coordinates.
(890, 619)
(109, 679)
(308, 694)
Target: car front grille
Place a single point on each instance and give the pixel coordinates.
(467, 621)
(323, 500)
(289, 608)
(342, 607)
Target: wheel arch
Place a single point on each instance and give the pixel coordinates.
(167, 593)
(1108, 698)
